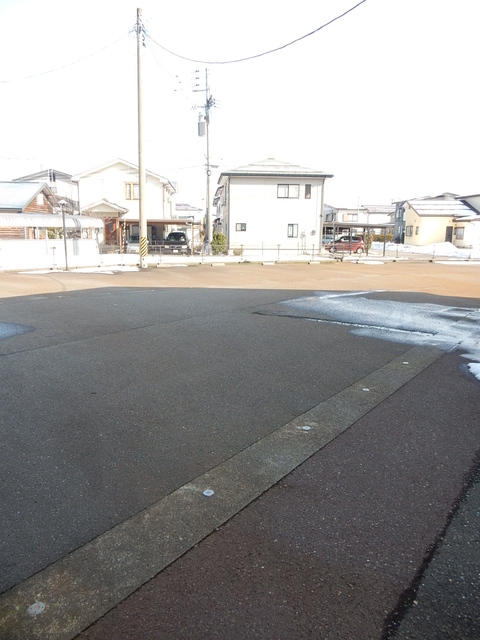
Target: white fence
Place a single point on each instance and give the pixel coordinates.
(46, 254)
(16, 255)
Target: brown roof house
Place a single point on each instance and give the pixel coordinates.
(32, 221)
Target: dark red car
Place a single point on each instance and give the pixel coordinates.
(349, 244)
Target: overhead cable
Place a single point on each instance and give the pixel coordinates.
(264, 53)
(65, 66)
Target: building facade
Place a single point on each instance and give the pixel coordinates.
(271, 204)
(111, 192)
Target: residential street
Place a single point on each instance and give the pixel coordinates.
(244, 451)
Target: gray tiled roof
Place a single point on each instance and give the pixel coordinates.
(274, 167)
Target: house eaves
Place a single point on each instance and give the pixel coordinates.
(473, 217)
(130, 167)
(218, 195)
(274, 168)
(181, 207)
(104, 207)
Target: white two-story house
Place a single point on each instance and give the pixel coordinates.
(111, 192)
(270, 205)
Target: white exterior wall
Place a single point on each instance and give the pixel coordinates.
(47, 254)
(254, 201)
(64, 189)
(109, 184)
(471, 236)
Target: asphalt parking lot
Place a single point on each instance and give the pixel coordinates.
(337, 457)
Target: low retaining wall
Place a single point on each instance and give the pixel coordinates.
(46, 254)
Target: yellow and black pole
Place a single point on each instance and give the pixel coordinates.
(141, 169)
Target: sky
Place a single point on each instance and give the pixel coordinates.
(384, 98)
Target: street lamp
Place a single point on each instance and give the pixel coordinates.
(63, 204)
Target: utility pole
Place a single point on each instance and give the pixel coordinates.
(321, 215)
(63, 204)
(209, 103)
(142, 219)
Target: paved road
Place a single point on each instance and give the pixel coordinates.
(123, 395)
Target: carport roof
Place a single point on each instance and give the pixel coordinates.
(360, 225)
(165, 221)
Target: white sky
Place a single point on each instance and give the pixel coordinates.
(386, 98)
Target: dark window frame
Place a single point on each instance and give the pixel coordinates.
(292, 230)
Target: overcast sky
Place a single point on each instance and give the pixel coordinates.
(385, 98)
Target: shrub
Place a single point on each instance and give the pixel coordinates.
(219, 243)
(378, 237)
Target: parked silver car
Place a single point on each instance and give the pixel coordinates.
(133, 244)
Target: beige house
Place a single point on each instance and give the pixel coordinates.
(434, 220)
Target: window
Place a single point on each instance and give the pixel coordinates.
(409, 230)
(417, 230)
(308, 191)
(132, 191)
(459, 231)
(292, 231)
(241, 226)
(288, 191)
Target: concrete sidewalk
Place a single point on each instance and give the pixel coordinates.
(338, 547)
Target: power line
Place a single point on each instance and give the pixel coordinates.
(264, 53)
(65, 66)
